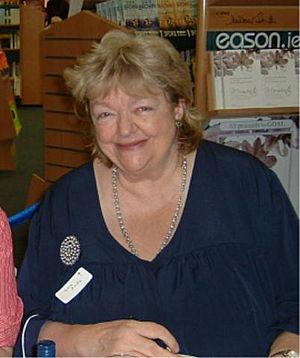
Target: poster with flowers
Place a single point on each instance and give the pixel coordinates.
(272, 139)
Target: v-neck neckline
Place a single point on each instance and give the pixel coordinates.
(175, 236)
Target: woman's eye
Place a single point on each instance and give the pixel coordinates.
(144, 109)
(103, 115)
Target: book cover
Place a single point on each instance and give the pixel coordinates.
(15, 16)
(120, 12)
(2, 16)
(4, 67)
(272, 139)
(166, 14)
(148, 15)
(241, 72)
(278, 78)
(101, 9)
(112, 11)
(183, 14)
(131, 13)
(236, 76)
(194, 12)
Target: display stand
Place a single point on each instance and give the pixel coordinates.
(31, 24)
(7, 128)
(65, 144)
(249, 103)
(237, 16)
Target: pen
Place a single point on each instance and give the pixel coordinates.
(159, 341)
(162, 344)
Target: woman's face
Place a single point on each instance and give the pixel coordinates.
(136, 133)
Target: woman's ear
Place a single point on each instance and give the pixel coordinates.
(180, 109)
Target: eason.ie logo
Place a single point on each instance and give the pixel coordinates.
(234, 40)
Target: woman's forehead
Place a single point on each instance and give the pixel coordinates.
(135, 90)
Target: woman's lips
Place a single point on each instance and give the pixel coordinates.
(131, 145)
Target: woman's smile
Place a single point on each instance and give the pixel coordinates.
(131, 145)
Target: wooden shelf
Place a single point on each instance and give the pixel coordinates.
(32, 24)
(255, 112)
(9, 49)
(65, 143)
(243, 16)
(4, 26)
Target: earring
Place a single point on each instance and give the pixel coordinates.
(178, 124)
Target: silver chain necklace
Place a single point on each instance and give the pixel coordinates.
(124, 231)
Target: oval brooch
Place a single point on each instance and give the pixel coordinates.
(69, 250)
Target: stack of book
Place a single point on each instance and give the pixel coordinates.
(150, 15)
(9, 15)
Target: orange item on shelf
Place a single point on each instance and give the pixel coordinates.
(4, 68)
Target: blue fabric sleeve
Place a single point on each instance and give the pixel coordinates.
(285, 259)
(27, 340)
(35, 312)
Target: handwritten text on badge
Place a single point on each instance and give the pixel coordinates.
(74, 285)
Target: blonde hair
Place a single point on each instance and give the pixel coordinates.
(138, 64)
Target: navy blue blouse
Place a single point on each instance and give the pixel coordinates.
(226, 284)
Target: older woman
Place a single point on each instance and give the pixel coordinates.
(164, 243)
(11, 307)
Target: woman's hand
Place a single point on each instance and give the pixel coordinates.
(285, 341)
(6, 351)
(114, 338)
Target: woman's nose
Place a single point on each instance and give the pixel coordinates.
(125, 124)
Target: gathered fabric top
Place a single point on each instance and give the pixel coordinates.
(219, 286)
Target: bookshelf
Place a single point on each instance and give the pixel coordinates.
(10, 42)
(20, 28)
(237, 18)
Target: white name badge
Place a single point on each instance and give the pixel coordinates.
(74, 285)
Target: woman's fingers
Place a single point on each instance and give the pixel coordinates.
(135, 338)
(149, 348)
(155, 331)
(138, 338)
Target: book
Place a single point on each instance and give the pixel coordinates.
(2, 15)
(15, 115)
(112, 11)
(280, 86)
(184, 14)
(194, 12)
(166, 14)
(119, 12)
(272, 139)
(148, 15)
(236, 77)
(101, 9)
(131, 13)
(4, 67)
(15, 16)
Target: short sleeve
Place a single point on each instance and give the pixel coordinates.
(11, 307)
